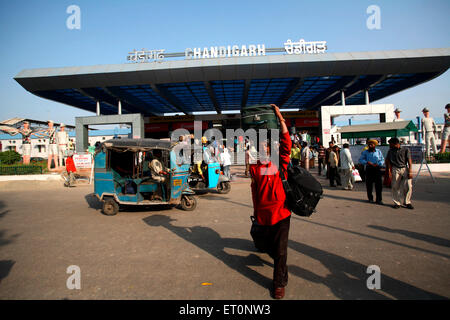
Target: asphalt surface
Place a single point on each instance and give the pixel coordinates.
(165, 253)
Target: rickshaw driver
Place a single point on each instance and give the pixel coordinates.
(157, 170)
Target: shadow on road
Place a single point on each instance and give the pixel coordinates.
(224, 198)
(94, 203)
(5, 268)
(348, 279)
(211, 242)
(325, 195)
(415, 235)
(5, 265)
(375, 238)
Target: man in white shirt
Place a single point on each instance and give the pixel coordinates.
(62, 139)
(305, 155)
(225, 160)
(429, 129)
(347, 166)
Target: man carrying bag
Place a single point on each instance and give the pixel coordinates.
(271, 215)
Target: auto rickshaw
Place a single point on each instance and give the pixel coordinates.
(211, 177)
(215, 179)
(122, 175)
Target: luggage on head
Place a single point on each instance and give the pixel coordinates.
(261, 116)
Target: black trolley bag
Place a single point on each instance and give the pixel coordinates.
(261, 116)
(303, 191)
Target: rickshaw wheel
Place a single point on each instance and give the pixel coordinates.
(110, 207)
(224, 187)
(188, 202)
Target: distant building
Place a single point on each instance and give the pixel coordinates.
(39, 146)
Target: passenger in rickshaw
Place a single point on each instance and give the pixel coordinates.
(158, 172)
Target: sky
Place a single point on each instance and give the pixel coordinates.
(34, 34)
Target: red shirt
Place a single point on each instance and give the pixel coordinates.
(70, 165)
(267, 188)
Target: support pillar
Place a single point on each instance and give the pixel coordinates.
(366, 94)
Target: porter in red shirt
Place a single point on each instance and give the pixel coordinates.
(267, 188)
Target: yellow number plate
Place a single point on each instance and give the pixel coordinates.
(177, 182)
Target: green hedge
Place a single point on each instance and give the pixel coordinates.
(9, 157)
(442, 157)
(18, 169)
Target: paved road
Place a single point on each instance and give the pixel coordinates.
(208, 253)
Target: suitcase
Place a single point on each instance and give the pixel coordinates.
(260, 116)
(303, 191)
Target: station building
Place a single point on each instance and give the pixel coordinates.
(157, 92)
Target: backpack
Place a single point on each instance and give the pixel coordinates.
(303, 191)
(260, 116)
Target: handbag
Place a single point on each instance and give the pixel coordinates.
(260, 235)
(356, 176)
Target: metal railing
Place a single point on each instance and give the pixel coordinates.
(20, 169)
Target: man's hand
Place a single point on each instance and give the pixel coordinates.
(284, 128)
(371, 164)
(277, 111)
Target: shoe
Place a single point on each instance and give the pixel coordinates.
(396, 206)
(380, 203)
(409, 206)
(332, 185)
(278, 293)
(371, 201)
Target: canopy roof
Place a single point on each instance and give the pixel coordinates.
(304, 81)
(378, 130)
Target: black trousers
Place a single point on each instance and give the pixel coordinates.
(373, 176)
(279, 234)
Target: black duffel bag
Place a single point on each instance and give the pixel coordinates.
(303, 191)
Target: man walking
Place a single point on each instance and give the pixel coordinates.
(373, 160)
(333, 166)
(269, 204)
(446, 131)
(305, 153)
(399, 166)
(296, 154)
(347, 167)
(429, 129)
(321, 158)
(327, 157)
(225, 160)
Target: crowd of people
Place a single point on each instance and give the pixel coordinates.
(340, 170)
